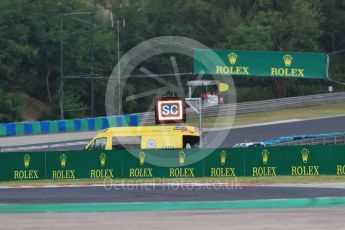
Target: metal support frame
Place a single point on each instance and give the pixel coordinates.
(118, 66)
(328, 66)
(198, 111)
(92, 65)
(61, 67)
(92, 74)
(62, 76)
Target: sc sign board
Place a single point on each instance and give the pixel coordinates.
(170, 110)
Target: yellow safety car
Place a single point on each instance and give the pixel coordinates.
(146, 137)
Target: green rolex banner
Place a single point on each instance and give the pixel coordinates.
(313, 160)
(260, 63)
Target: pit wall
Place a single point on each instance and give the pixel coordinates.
(183, 163)
(62, 126)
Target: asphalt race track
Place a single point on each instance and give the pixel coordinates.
(236, 135)
(265, 132)
(149, 193)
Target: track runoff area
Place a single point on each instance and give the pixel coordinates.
(167, 196)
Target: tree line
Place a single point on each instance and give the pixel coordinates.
(30, 36)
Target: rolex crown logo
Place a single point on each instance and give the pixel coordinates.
(305, 155)
(181, 157)
(287, 60)
(26, 160)
(63, 159)
(142, 158)
(223, 157)
(265, 154)
(232, 58)
(102, 158)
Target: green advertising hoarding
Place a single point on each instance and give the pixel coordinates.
(84, 164)
(225, 163)
(22, 166)
(260, 63)
(291, 161)
(164, 163)
(312, 160)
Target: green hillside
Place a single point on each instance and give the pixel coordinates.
(30, 34)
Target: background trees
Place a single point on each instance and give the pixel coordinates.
(30, 36)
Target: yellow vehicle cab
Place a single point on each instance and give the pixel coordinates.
(146, 137)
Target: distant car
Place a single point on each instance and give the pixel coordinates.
(249, 144)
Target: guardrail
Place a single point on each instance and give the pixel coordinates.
(317, 140)
(258, 106)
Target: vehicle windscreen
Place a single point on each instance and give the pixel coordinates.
(126, 142)
(98, 143)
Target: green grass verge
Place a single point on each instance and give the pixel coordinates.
(275, 115)
(245, 180)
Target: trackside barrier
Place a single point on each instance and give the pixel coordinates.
(61, 126)
(91, 124)
(258, 106)
(325, 138)
(229, 162)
